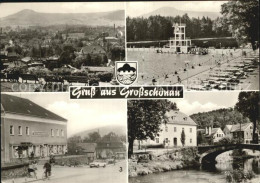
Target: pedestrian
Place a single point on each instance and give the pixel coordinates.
(179, 79)
(32, 154)
(32, 169)
(47, 167)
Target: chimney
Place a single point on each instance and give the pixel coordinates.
(206, 132)
(210, 128)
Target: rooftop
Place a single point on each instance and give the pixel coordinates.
(236, 127)
(177, 117)
(22, 106)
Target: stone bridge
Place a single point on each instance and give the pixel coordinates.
(209, 153)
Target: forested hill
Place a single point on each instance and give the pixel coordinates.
(159, 27)
(219, 118)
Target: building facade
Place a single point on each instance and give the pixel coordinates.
(241, 132)
(170, 136)
(179, 43)
(29, 130)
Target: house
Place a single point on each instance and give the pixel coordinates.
(92, 50)
(227, 131)
(170, 135)
(73, 36)
(28, 128)
(88, 149)
(242, 132)
(216, 134)
(12, 56)
(212, 135)
(92, 69)
(26, 60)
(109, 146)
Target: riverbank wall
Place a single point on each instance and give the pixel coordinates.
(168, 161)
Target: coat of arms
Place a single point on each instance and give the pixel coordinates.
(126, 72)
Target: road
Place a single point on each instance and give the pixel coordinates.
(82, 174)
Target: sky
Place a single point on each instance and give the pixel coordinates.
(81, 114)
(195, 102)
(88, 114)
(62, 7)
(134, 9)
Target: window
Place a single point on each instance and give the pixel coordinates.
(190, 140)
(20, 130)
(11, 130)
(190, 130)
(175, 129)
(57, 133)
(166, 128)
(185, 118)
(27, 131)
(52, 133)
(166, 140)
(157, 140)
(62, 133)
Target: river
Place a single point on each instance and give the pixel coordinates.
(215, 174)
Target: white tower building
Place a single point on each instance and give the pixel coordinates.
(179, 43)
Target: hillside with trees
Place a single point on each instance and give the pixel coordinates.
(219, 118)
(160, 28)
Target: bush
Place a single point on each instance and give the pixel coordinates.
(239, 175)
(16, 70)
(39, 71)
(155, 146)
(105, 76)
(62, 71)
(226, 141)
(80, 73)
(94, 81)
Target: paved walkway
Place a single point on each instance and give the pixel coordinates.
(80, 174)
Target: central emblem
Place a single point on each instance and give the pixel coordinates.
(126, 72)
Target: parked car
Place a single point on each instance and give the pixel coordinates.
(97, 164)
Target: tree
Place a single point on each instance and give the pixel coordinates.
(72, 144)
(183, 137)
(243, 19)
(199, 138)
(92, 137)
(144, 119)
(248, 104)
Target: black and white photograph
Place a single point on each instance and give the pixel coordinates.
(130, 91)
(204, 45)
(213, 137)
(49, 138)
(51, 46)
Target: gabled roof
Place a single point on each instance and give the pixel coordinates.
(12, 54)
(236, 128)
(26, 59)
(177, 117)
(17, 105)
(213, 131)
(229, 127)
(99, 69)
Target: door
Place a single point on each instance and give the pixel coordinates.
(175, 141)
